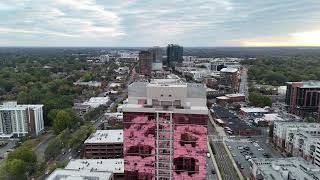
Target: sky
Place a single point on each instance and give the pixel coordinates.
(141, 23)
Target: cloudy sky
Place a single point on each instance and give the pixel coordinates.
(159, 22)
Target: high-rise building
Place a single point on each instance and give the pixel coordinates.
(20, 120)
(303, 97)
(165, 130)
(174, 54)
(145, 60)
(156, 53)
(230, 79)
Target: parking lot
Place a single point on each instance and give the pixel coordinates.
(245, 149)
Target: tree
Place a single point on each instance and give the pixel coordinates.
(20, 163)
(80, 136)
(259, 100)
(15, 169)
(53, 149)
(310, 119)
(52, 115)
(25, 154)
(62, 121)
(87, 76)
(56, 145)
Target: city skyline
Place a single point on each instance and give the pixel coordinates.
(136, 23)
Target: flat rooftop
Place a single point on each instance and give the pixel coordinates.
(308, 84)
(229, 70)
(105, 136)
(276, 168)
(70, 174)
(111, 165)
(253, 110)
(12, 105)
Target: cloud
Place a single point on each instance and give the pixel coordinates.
(61, 18)
(154, 22)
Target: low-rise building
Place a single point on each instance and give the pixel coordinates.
(284, 169)
(20, 120)
(104, 144)
(267, 119)
(112, 119)
(253, 112)
(89, 83)
(116, 166)
(81, 109)
(231, 98)
(95, 102)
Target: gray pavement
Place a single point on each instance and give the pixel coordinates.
(41, 147)
(210, 167)
(11, 144)
(224, 162)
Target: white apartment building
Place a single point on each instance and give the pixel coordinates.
(104, 58)
(297, 138)
(304, 145)
(20, 120)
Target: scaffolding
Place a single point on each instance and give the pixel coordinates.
(164, 146)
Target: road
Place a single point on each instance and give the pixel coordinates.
(11, 144)
(243, 89)
(41, 147)
(224, 162)
(209, 167)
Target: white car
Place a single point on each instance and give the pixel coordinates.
(260, 149)
(240, 147)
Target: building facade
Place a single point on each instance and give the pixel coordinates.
(165, 129)
(297, 138)
(145, 62)
(303, 97)
(156, 53)
(230, 79)
(174, 54)
(20, 120)
(104, 144)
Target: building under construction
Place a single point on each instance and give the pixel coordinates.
(165, 130)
